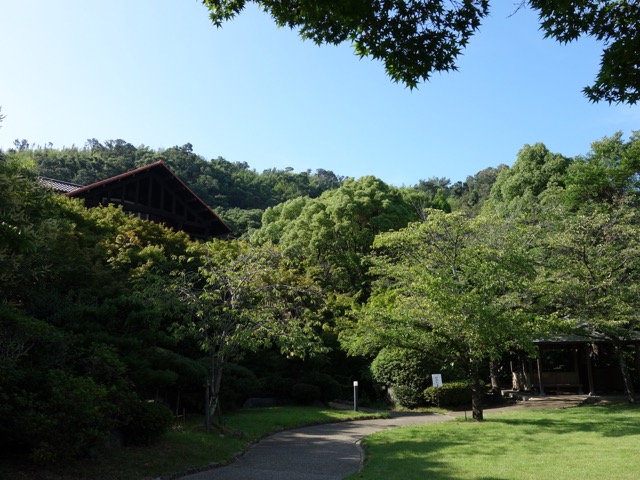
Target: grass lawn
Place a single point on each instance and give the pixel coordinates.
(182, 448)
(589, 442)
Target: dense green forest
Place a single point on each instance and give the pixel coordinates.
(237, 193)
(328, 280)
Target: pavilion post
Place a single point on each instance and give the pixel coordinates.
(587, 352)
(638, 359)
(539, 363)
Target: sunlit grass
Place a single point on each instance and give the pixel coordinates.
(590, 442)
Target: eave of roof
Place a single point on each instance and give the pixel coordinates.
(157, 165)
(59, 185)
(632, 336)
(122, 176)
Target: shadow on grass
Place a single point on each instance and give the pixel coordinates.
(401, 461)
(606, 420)
(520, 444)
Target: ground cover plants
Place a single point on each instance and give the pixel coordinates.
(184, 448)
(589, 442)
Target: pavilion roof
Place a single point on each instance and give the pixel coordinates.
(59, 185)
(152, 192)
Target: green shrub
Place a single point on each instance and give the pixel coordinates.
(238, 384)
(451, 394)
(406, 396)
(329, 388)
(68, 419)
(147, 422)
(276, 386)
(305, 393)
(405, 372)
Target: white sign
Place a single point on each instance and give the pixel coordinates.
(355, 383)
(436, 378)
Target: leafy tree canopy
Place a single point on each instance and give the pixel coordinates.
(534, 172)
(471, 194)
(243, 298)
(331, 235)
(591, 272)
(613, 22)
(416, 38)
(451, 286)
(606, 174)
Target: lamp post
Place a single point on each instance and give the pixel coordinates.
(355, 395)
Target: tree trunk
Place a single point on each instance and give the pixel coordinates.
(477, 391)
(624, 369)
(215, 378)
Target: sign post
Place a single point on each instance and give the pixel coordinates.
(436, 379)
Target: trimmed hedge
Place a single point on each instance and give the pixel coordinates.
(238, 384)
(305, 393)
(404, 372)
(330, 389)
(148, 421)
(451, 394)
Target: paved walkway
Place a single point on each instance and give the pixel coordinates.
(320, 452)
(332, 451)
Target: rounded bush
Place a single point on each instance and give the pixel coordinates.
(147, 422)
(406, 396)
(305, 393)
(405, 372)
(330, 389)
(451, 394)
(238, 384)
(72, 421)
(276, 386)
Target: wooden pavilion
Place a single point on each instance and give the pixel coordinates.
(574, 364)
(153, 193)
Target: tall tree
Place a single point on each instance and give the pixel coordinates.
(416, 38)
(591, 274)
(330, 236)
(535, 170)
(470, 195)
(72, 334)
(243, 298)
(609, 172)
(450, 286)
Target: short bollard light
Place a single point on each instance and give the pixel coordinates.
(355, 395)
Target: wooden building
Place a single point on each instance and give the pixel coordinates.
(153, 193)
(575, 364)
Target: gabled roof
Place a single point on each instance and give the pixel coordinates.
(58, 185)
(154, 193)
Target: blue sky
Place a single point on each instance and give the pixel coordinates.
(156, 72)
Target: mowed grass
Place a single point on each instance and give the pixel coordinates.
(589, 442)
(183, 449)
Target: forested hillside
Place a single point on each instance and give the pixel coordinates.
(335, 279)
(237, 193)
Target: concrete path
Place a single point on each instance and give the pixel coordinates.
(320, 452)
(332, 451)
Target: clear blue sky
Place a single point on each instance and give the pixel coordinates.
(156, 72)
